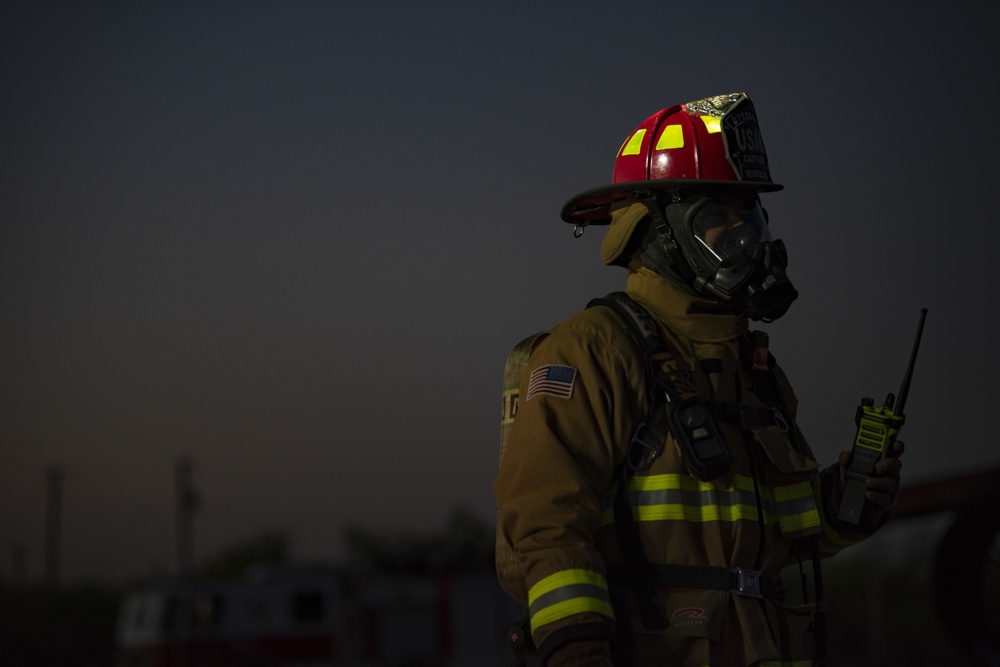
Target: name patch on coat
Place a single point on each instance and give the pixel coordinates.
(551, 381)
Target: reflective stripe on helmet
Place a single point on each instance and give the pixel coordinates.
(633, 145)
(671, 137)
(566, 593)
(712, 124)
(683, 498)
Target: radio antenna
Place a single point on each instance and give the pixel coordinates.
(905, 388)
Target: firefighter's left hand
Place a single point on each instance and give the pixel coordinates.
(883, 488)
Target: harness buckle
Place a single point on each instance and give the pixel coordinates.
(779, 419)
(747, 583)
(653, 449)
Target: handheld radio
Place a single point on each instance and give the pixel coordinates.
(877, 431)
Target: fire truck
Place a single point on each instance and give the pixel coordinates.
(270, 619)
(294, 618)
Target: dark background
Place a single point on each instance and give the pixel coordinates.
(295, 241)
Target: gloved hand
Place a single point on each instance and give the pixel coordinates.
(586, 653)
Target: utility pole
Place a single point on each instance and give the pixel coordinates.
(187, 503)
(53, 521)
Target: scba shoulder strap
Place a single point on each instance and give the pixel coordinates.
(675, 408)
(674, 405)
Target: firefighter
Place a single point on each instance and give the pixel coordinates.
(667, 559)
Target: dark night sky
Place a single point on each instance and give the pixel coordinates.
(295, 241)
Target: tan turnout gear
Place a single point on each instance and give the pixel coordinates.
(582, 395)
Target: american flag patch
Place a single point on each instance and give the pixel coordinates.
(551, 381)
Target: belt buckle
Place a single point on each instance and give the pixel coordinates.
(747, 583)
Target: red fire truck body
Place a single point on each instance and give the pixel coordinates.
(287, 621)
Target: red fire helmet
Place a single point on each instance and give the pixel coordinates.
(711, 142)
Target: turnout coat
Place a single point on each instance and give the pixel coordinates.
(583, 393)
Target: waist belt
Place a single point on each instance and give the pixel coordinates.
(736, 580)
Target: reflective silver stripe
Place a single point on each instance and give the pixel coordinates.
(568, 593)
(795, 507)
(681, 497)
(692, 498)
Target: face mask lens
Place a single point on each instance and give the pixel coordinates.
(729, 223)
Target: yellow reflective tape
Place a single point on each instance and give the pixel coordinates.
(671, 481)
(511, 395)
(565, 578)
(712, 125)
(569, 608)
(576, 604)
(688, 483)
(792, 491)
(671, 137)
(800, 521)
(796, 522)
(792, 507)
(830, 541)
(634, 144)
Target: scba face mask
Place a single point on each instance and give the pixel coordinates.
(734, 259)
(685, 164)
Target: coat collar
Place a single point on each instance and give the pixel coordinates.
(691, 316)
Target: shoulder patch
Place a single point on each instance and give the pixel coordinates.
(551, 381)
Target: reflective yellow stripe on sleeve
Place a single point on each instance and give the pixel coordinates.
(794, 507)
(830, 542)
(566, 593)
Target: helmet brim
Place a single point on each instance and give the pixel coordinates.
(593, 207)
